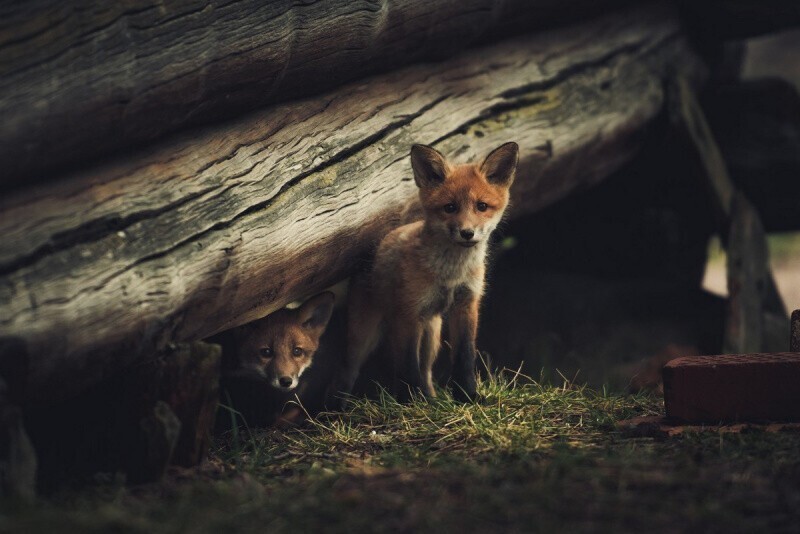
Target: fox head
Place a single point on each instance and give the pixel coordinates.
(464, 203)
(281, 346)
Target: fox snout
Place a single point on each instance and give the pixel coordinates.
(280, 379)
(467, 236)
(464, 237)
(285, 382)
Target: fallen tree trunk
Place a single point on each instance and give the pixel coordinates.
(80, 79)
(212, 231)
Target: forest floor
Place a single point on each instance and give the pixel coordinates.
(526, 458)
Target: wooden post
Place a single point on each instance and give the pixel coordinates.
(173, 401)
(754, 304)
(18, 462)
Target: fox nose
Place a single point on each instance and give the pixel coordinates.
(285, 381)
(467, 234)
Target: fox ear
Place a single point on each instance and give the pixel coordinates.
(501, 165)
(315, 313)
(429, 166)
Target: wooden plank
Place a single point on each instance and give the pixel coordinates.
(214, 230)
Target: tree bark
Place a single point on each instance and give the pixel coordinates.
(81, 79)
(214, 230)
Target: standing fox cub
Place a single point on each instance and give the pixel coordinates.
(428, 269)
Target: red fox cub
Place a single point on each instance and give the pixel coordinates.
(428, 269)
(272, 354)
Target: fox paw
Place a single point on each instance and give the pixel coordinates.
(338, 402)
(464, 393)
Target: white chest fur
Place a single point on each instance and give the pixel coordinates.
(454, 270)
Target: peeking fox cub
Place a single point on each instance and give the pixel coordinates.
(265, 360)
(429, 269)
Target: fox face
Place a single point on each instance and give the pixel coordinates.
(464, 203)
(281, 346)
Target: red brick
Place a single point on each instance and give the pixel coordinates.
(733, 387)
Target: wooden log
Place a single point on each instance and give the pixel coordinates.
(212, 231)
(80, 79)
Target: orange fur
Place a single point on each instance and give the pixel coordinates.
(281, 346)
(265, 362)
(428, 269)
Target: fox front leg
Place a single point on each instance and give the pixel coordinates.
(429, 350)
(463, 329)
(406, 340)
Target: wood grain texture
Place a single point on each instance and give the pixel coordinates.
(212, 230)
(80, 78)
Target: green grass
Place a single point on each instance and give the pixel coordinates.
(783, 247)
(527, 458)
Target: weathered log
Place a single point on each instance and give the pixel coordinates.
(80, 79)
(212, 231)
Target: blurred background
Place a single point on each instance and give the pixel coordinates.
(613, 309)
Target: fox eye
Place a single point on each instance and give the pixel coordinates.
(482, 206)
(266, 352)
(297, 351)
(450, 208)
